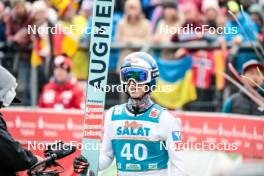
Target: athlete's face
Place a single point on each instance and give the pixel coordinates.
(135, 90)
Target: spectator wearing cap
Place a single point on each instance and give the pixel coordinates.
(133, 28)
(210, 9)
(16, 25)
(40, 20)
(42, 49)
(240, 103)
(212, 19)
(13, 157)
(63, 90)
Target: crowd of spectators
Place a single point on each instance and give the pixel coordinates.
(135, 22)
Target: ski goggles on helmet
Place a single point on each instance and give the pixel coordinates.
(139, 75)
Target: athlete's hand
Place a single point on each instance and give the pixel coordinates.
(80, 165)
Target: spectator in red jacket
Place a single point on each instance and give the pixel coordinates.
(63, 91)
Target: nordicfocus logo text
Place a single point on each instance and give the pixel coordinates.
(200, 146)
(191, 29)
(177, 146)
(120, 88)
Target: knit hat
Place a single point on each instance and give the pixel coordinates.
(210, 4)
(252, 63)
(257, 9)
(39, 6)
(63, 61)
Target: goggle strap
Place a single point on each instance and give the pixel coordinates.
(155, 73)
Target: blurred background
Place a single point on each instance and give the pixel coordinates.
(52, 67)
(148, 25)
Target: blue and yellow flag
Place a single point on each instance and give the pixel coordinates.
(175, 87)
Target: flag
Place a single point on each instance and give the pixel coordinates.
(219, 59)
(62, 5)
(175, 87)
(36, 59)
(203, 69)
(64, 43)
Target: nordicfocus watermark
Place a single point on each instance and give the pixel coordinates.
(33, 145)
(59, 29)
(122, 88)
(177, 146)
(200, 146)
(191, 29)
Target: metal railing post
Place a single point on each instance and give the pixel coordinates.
(34, 86)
